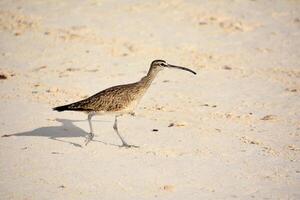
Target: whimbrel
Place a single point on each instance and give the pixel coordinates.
(118, 100)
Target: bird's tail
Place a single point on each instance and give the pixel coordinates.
(61, 108)
(72, 107)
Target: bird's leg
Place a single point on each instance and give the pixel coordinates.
(117, 131)
(90, 135)
(124, 144)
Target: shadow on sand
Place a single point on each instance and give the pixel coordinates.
(66, 130)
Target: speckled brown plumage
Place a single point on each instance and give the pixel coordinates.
(113, 99)
(119, 99)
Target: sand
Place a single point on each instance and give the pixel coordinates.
(230, 132)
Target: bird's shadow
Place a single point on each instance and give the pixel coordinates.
(58, 133)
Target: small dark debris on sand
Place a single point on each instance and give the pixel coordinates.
(168, 188)
(2, 76)
(171, 125)
(5, 135)
(291, 90)
(227, 67)
(218, 130)
(207, 105)
(62, 186)
(70, 69)
(268, 117)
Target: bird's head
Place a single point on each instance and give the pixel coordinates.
(158, 65)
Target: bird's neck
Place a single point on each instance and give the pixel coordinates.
(147, 80)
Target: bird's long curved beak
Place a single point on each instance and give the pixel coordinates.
(182, 68)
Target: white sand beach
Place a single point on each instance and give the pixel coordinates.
(229, 132)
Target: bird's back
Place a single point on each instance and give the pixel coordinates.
(113, 99)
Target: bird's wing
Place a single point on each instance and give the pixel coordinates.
(110, 99)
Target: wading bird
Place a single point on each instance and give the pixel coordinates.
(118, 100)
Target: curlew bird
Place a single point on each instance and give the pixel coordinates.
(118, 100)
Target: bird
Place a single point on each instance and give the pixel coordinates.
(118, 100)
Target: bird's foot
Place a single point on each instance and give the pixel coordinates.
(132, 113)
(129, 146)
(89, 138)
